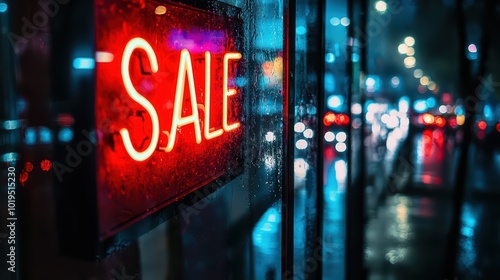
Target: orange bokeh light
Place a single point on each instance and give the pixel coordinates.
(428, 119)
(329, 118)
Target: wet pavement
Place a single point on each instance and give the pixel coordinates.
(407, 230)
(408, 225)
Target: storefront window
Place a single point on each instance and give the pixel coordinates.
(166, 187)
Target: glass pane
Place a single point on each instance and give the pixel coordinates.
(424, 81)
(193, 194)
(337, 137)
(307, 71)
(408, 77)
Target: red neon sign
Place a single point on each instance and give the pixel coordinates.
(185, 70)
(168, 109)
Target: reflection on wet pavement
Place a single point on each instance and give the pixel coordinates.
(407, 232)
(406, 229)
(406, 239)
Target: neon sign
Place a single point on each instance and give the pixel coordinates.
(169, 112)
(185, 67)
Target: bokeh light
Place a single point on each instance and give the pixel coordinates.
(402, 48)
(410, 62)
(28, 166)
(335, 21)
(46, 165)
(410, 51)
(424, 80)
(381, 6)
(409, 41)
(161, 10)
(472, 48)
(418, 73)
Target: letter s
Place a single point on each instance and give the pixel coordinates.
(139, 43)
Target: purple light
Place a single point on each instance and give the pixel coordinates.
(195, 41)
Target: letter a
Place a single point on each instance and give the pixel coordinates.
(185, 66)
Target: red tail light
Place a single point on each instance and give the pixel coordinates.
(440, 121)
(482, 125)
(342, 119)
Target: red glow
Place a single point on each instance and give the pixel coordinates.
(482, 125)
(329, 153)
(481, 135)
(420, 119)
(65, 120)
(168, 106)
(329, 118)
(427, 137)
(426, 179)
(46, 165)
(440, 121)
(23, 177)
(447, 98)
(452, 122)
(427, 142)
(498, 127)
(344, 119)
(28, 166)
(438, 135)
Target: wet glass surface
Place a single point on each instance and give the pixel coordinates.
(231, 233)
(391, 93)
(415, 116)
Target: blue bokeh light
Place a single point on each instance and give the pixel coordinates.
(65, 134)
(83, 63)
(3, 7)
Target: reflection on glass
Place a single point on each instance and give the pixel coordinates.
(266, 241)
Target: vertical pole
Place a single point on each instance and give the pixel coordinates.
(320, 193)
(355, 211)
(288, 144)
(467, 89)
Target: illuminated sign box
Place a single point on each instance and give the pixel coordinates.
(168, 108)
